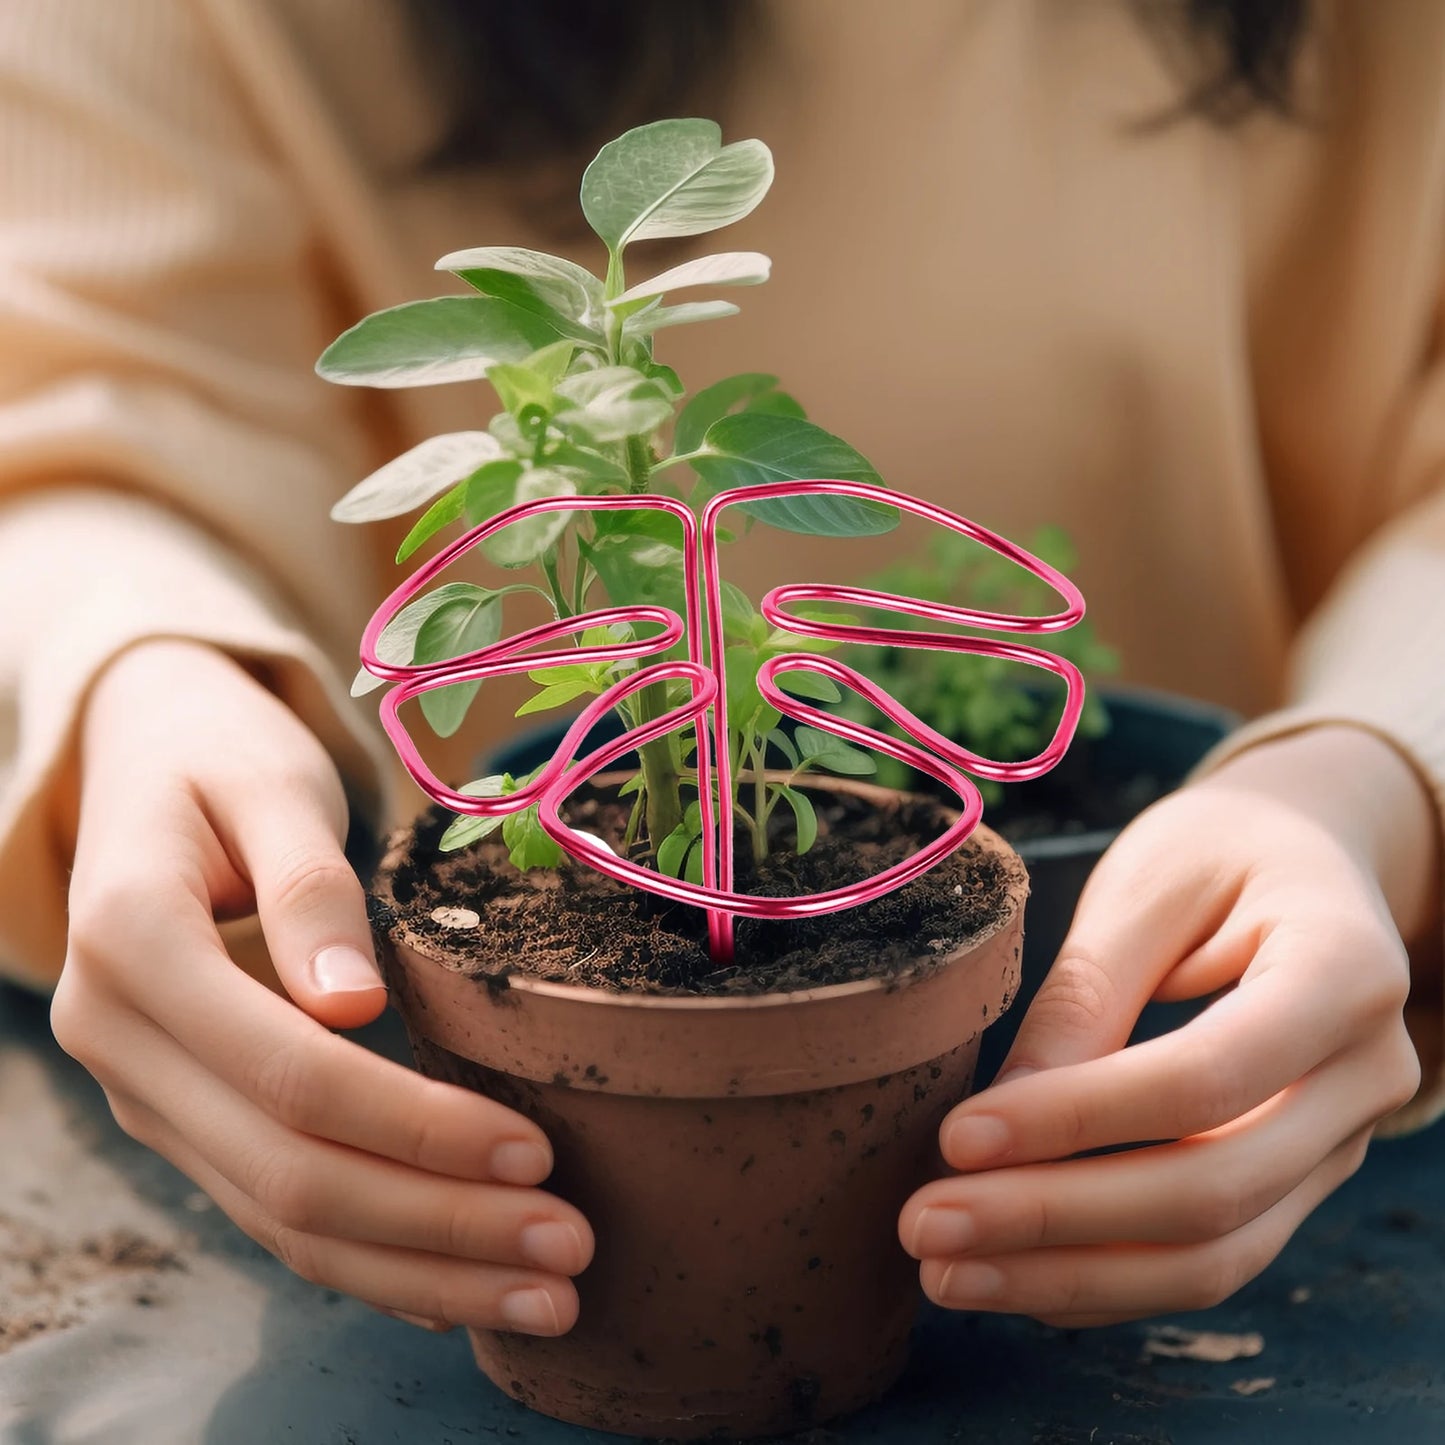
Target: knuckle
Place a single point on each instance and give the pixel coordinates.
(425, 1142)
(1353, 1155)
(296, 1250)
(131, 1119)
(283, 1188)
(1402, 1074)
(307, 883)
(1035, 1222)
(1217, 1208)
(1215, 1276)
(284, 1084)
(102, 913)
(1206, 1095)
(72, 1019)
(1064, 1295)
(457, 1232)
(1077, 997)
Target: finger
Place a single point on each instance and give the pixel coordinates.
(1200, 1189)
(318, 1187)
(1140, 912)
(426, 1286)
(1118, 1282)
(1243, 1049)
(299, 1073)
(311, 903)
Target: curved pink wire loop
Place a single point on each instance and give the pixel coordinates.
(701, 632)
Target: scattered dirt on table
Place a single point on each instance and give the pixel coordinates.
(1253, 1387)
(44, 1279)
(1175, 1343)
(576, 926)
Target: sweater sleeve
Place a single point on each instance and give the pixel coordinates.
(167, 458)
(1372, 655)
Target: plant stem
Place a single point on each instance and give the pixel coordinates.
(681, 457)
(639, 464)
(760, 808)
(549, 566)
(659, 769)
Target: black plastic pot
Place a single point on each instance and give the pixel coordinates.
(1153, 736)
(1154, 739)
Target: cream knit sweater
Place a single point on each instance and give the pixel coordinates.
(1213, 354)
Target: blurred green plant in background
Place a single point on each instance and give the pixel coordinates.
(1002, 709)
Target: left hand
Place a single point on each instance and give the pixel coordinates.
(1286, 879)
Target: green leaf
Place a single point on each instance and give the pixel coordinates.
(416, 476)
(425, 343)
(520, 543)
(712, 403)
(442, 513)
(782, 640)
(613, 403)
(397, 644)
(660, 372)
(459, 626)
(823, 750)
(638, 568)
(584, 464)
(672, 852)
(661, 317)
(672, 178)
(640, 522)
(751, 450)
(747, 712)
(804, 815)
(779, 739)
(810, 685)
(546, 285)
(527, 844)
(558, 695)
(726, 268)
(466, 829)
(519, 387)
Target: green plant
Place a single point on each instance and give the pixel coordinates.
(1003, 712)
(588, 409)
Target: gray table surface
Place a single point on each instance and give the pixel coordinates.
(148, 1319)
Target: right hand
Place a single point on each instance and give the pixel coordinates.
(204, 797)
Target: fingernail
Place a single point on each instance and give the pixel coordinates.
(344, 970)
(531, 1310)
(943, 1230)
(552, 1245)
(967, 1280)
(974, 1141)
(519, 1161)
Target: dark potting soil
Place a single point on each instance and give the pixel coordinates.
(574, 925)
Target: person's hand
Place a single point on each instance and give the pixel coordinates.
(204, 797)
(1286, 879)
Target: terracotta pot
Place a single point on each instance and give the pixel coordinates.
(742, 1161)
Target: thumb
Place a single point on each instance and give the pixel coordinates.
(313, 911)
(1136, 919)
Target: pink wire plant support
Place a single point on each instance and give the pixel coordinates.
(701, 633)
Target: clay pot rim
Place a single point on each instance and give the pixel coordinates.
(1017, 896)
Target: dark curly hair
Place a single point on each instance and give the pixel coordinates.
(528, 81)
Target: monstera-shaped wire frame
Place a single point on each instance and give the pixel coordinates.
(701, 633)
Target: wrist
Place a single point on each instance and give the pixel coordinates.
(1367, 793)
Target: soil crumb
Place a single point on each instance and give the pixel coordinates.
(576, 926)
(43, 1279)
